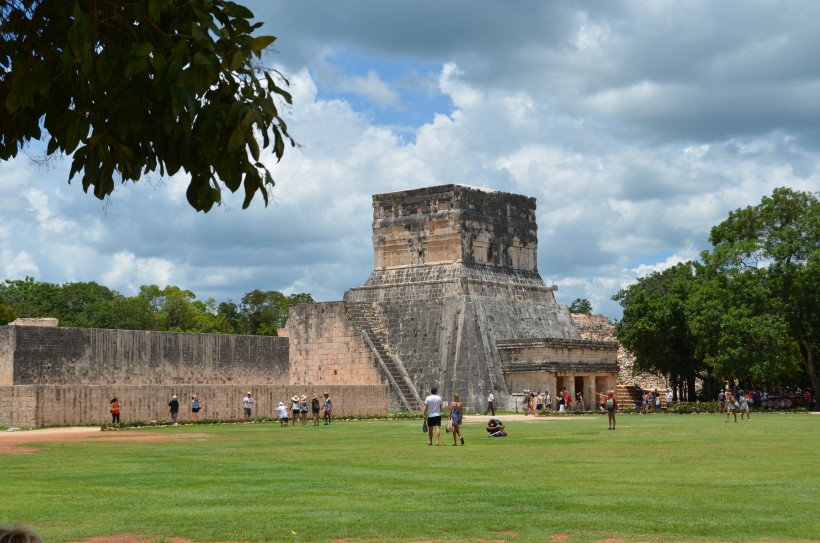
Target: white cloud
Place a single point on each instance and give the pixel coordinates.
(636, 126)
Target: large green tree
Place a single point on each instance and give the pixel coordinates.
(580, 306)
(264, 312)
(128, 88)
(741, 328)
(655, 327)
(771, 250)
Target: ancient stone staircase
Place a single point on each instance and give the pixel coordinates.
(366, 320)
(628, 396)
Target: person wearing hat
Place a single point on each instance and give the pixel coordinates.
(327, 408)
(314, 409)
(303, 410)
(247, 404)
(294, 410)
(282, 411)
(173, 409)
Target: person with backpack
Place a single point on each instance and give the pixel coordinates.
(314, 408)
(303, 410)
(611, 406)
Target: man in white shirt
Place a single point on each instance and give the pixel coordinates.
(432, 410)
(282, 411)
(247, 403)
(490, 402)
(669, 399)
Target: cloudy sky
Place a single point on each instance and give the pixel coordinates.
(637, 126)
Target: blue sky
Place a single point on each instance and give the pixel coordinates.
(637, 126)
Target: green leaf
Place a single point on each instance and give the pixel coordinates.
(236, 10)
(237, 140)
(259, 43)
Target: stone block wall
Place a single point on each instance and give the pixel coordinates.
(18, 406)
(451, 224)
(571, 355)
(55, 405)
(327, 349)
(6, 356)
(93, 356)
(440, 281)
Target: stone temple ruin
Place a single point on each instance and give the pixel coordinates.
(454, 300)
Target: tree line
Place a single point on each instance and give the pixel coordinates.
(746, 313)
(90, 305)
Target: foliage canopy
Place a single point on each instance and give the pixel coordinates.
(89, 305)
(128, 88)
(749, 312)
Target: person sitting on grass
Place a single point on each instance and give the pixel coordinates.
(496, 428)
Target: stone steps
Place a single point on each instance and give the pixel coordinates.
(366, 319)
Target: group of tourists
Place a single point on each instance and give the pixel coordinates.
(433, 415)
(734, 402)
(299, 407)
(653, 400)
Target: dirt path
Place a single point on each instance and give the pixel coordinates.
(19, 442)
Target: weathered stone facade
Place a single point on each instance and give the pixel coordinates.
(598, 328)
(55, 376)
(455, 273)
(455, 300)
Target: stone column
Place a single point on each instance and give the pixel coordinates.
(589, 392)
(552, 386)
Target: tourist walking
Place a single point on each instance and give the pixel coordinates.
(247, 405)
(579, 402)
(432, 411)
(744, 407)
(548, 401)
(282, 411)
(670, 399)
(611, 406)
(731, 406)
(562, 399)
(539, 403)
(456, 413)
(115, 410)
(173, 409)
(327, 409)
(314, 409)
(722, 401)
(196, 407)
(490, 403)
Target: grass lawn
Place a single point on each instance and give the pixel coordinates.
(656, 478)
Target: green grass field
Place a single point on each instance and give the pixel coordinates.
(656, 478)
